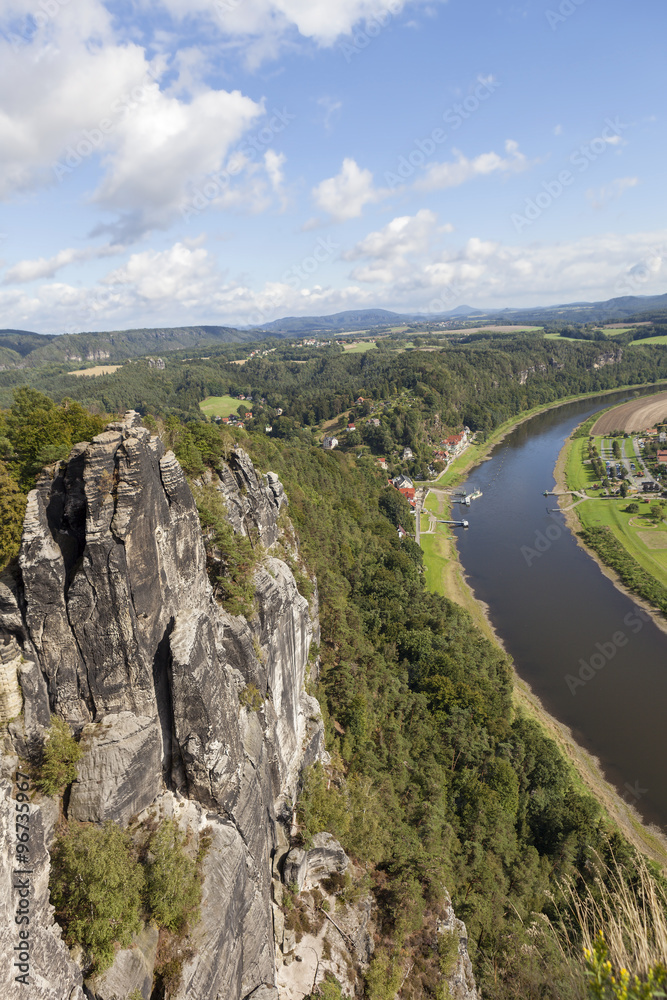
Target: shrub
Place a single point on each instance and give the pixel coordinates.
(12, 510)
(96, 885)
(61, 755)
(231, 558)
(251, 698)
(173, 884)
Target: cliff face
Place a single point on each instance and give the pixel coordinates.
(118, 633)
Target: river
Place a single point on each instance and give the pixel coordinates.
(560, 618)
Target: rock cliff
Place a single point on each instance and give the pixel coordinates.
(110, 622)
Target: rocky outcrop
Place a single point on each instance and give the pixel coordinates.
(120, 773)
(460, 978)
(52, 975)
(119, 634)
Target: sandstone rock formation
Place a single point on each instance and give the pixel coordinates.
(119, 634)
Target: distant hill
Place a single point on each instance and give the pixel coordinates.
(19, 348)
(338, 322)
(624, 307)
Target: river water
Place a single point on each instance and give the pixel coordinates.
(587, 651)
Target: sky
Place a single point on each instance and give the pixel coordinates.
(230, 162)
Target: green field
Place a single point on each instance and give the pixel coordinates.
(610, 513)
(649, 340)
(219, 406)
(365, 345)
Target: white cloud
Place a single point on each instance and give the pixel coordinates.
(345, 195)
(454, 173)
(184, 284)
(320, 20)
(390, 249)
(74, 91)
(46, 267)
(599, 197)
(558, 129)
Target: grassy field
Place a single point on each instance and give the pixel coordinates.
(219, 406)
(365, 345)
(635, 532)
(649, 340)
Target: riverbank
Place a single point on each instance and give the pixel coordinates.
(445, 575)
(574, 523)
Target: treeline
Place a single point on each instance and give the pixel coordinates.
(603, 541)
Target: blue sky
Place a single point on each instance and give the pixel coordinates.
(233, 161)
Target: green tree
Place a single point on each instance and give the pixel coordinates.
(12, 511)
(96, 887)
(173, 884)
(61, 755)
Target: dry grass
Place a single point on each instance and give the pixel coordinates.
(633, 921)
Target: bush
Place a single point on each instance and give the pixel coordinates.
(251, 698)
(230, 557)
(12, 510)
(96, 886)
(61, 755)
(173, 884)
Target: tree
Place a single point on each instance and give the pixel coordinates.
(12, 511)
(632, 508)
(96, 886)
(173, 885)
(61, 755)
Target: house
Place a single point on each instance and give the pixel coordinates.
(401, 532)
(268, 429)
(329, 443)
(662, 457)
(407, 454)
(374, 421)
(351, 427)
(248, 415)
(225, 420)
(361, 399)
(402, 482)
(651, 432)
(408, 492)
(382, 462)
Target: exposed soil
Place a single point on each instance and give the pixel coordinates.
(637, 415)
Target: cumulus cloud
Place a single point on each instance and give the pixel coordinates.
(456, 172)
(390, 250)
(345, 195)
(408, 269)
(599, 197)
(46, 267)
(320, 20)
(73, 91)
